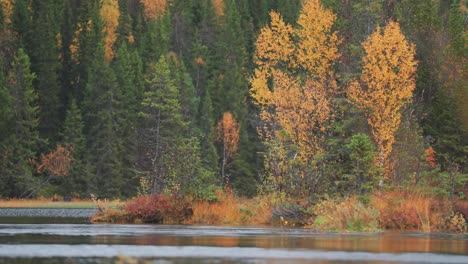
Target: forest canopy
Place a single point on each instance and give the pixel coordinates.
(304, 98)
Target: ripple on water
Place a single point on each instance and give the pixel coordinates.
(111, 251)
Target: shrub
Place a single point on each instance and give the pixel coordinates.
(158, 209)
(348, 214)
(292, 214)
(411, 210)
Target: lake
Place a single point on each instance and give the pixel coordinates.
(45, 240)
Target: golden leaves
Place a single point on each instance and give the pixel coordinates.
(294, 80)
(274, 44)
(318, 45)
(154, 8)
(110, 15)
(386, 84)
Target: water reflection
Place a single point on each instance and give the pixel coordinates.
(237, 243)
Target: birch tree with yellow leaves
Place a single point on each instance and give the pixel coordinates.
(386, 84)
(294, 85)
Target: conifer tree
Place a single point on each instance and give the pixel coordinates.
(23, 143)
(44, 62)
(67, 30)
(161, 128)
(21, 23)
(207, 130)
(124, 28)
(128, 71)
(79, 178)
(87, 38)
(103, 120)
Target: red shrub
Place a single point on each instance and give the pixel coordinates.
(158, 209)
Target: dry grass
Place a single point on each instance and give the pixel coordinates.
(346, 215)
(411, 210)
(49, 203)
(231, 210)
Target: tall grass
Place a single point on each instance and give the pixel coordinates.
(411, 210)
(231, 210)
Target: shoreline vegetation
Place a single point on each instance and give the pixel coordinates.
(398, 210)
(402, 210)
(329, 115)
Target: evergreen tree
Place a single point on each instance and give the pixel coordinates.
(88, 36)
(22, 145)
(128, 70)
(2, 19)
(161, 129)
(5, 105)
(78, 180)
(21, 23)
(189, 101)
(67, 78)
(154, 41)
(124, 29)
(44, 62)
(207, 130)
(103, 120)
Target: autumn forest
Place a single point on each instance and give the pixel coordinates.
(297, 100)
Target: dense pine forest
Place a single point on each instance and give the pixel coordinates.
(120, 98)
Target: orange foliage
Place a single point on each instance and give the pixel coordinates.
(7, 9)
(110, 15)
(199, 61)
(219, 7)
(386, 84)
(56, 163)
(228, 133)
(75, 43)
(154, 8)
(430, 157)
(411, 211)
(294, 81)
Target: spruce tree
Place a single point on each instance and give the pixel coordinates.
(44, 62)
(128, 70)
(103, 119)
(161, 129)
(78, 180)
(22, 145)
(88, 36)
(21, 23)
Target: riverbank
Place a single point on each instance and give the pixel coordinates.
(392, 210)
(46, 203)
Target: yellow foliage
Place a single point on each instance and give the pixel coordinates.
(318, 45)
(154, 8)
(386, 84)
(294, 81)
(110, 15)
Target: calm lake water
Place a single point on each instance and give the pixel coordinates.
(67, 240)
